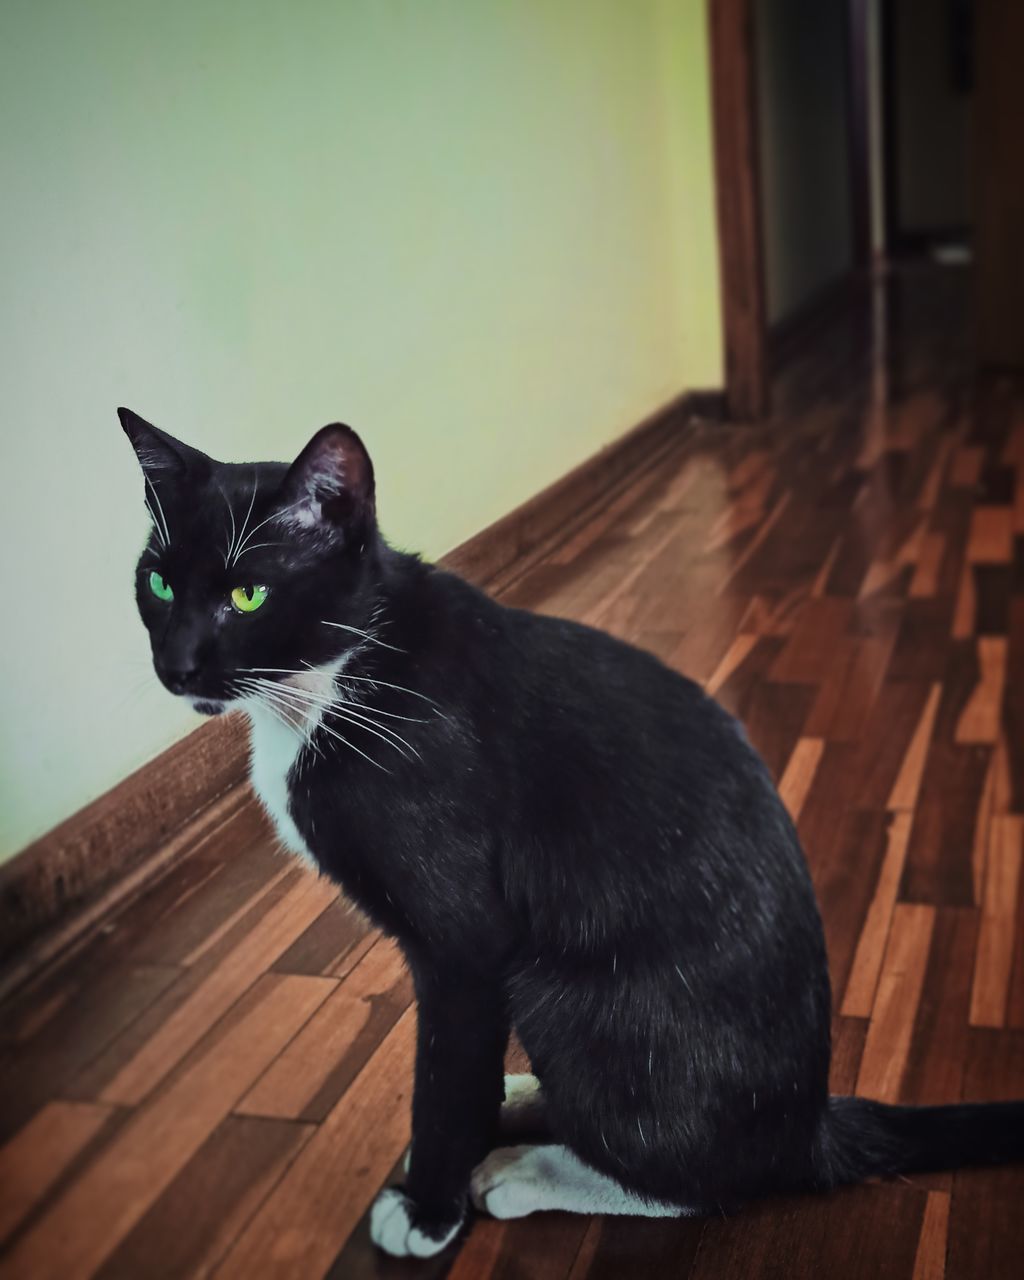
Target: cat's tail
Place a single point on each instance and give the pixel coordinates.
(861, 1138)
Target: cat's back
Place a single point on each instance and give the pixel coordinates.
(627, 769)
(550, 695)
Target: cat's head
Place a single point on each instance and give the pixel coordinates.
(252, 568)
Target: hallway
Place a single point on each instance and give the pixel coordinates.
(218, 1078)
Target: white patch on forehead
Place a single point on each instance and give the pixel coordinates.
(277, 737)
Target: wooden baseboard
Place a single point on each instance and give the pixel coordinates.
(118, 833)
(505, 549)
(57, 936)
(56, 889)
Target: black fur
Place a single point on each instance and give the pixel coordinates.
(586, 848)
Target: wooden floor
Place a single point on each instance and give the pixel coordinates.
(218, 1081)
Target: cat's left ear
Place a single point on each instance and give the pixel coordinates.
(329, 487)
(159, 453)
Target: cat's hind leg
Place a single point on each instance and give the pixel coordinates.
(515, 1181)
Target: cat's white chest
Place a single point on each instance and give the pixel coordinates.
(274, 750)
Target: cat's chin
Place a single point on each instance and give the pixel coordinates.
(208, 706)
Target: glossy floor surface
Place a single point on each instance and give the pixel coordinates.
(218, 1081)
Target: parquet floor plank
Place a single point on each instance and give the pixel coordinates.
(87, 1222)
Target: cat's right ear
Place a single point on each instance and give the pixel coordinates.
(158, 453)
(329, 490)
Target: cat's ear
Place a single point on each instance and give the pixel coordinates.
(158, 453)
(329, 487)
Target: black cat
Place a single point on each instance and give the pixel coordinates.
(565, 836)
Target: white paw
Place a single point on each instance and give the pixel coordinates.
(509, 1183)
(391, 1228)
(523, 1108)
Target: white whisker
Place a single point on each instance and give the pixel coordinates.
(367, 721)
(276, 712)
(385, 685)
(366, 635)
(297, 706)
(156, 526)
(328, 707)
(326, 728)
(278, 708)
(333, 733)
(344, 676)
(274, 515)
(379, 711)
(256, 546)
(160, 508)
(231, 540)
(305, 701)
(245, 522)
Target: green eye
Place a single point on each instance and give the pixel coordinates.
(160, 587)
(248, 599)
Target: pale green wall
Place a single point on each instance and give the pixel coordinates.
(479, 231)
(807, 222)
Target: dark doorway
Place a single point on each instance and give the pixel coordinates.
(928, 85)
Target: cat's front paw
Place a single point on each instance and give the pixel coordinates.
(397, 1227)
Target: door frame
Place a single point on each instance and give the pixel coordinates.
(738, 202)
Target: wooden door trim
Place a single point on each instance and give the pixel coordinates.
(738, 199)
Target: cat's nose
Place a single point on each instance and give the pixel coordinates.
(179, 680)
